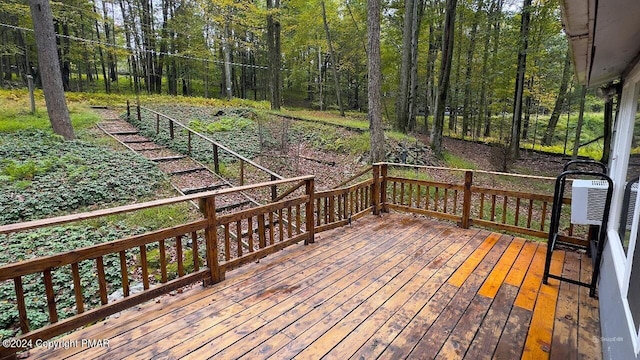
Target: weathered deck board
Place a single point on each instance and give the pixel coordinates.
(390, 288)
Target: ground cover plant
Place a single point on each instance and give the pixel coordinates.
(44, 176)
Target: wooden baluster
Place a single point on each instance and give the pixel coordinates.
(171, 133)
(102, 280)
(418, 196)
(194, 249)
(504, 210)
(410, 195)
(367, 197)
(77, 288)
(393, 194)
(262, 238)
(351, 202)
(332, 214)
(570, 229)
(339, 208)
(189, 142)
(281, 222)
(163, 261)
(124, 274)
(271, 230)
(530, 214)
(179, 255)
(145, 269)
(227, 243)
(290, 222)
(326, 211)
(345, 205)
(544, 215)
(250, 233)
(157, 122)
(445, 198)
(517, 211)
(318, 215)
(401, 193)
(428, 199)
(493, 207)
(22, 308)
(455, 201)
(51, 300)
(239, 236)
(299, 220)
(436, 199)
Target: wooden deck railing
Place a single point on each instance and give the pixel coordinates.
(130, 257)
(218, 151)
(231, 240)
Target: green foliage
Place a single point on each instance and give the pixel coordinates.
(67, 176)
(457, 162)
(224, 124)
(50, 241)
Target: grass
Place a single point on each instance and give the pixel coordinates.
(457, 162)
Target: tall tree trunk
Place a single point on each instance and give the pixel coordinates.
(466, 111)
(275, 57)
(413, 74)
(50, 68)
(430, 96)
(495, 40)
(445, 72)
(376, 130)
(453, 111)
(576, 143)
(557, 108)
(514, 145)
(226, 51)
(402, 105)
(334, 65)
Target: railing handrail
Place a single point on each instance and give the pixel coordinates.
(34, 224)
(465, 170)
(250, 162)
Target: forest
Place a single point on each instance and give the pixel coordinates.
(509, 60)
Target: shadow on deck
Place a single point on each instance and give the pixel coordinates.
(396, 286)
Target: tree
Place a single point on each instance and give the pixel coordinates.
(273, 45)
(334, 65)
(50, 68)
(445, 72)
(562, 94)
(514, 145)
(376, 130)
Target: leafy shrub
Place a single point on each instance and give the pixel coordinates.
(67, 176)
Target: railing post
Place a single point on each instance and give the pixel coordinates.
(208, 208)
(383, 187)
(309, 188)
(274, 189)
(375, 194)
(466, 204)
(128, 111)
(216, 163)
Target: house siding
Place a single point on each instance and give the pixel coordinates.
(616, 341)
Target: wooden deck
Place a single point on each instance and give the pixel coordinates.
(390, 288)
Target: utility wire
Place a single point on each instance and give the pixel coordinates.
(154, 52)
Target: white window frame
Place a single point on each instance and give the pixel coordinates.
(619, 163)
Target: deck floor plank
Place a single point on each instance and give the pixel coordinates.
(389, 287)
